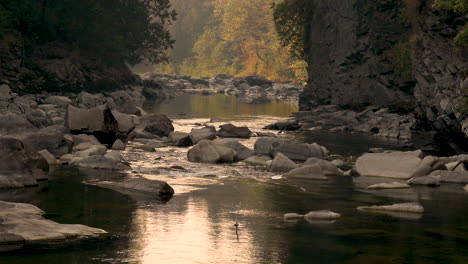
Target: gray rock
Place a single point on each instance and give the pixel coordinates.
(126, 122)
(78, 139)
(51, 160)
(450, 176)
(11, 124)
(151, 145)
(260, 161)
(402, 207)
(114, 155)
(298, 151)
(328, 168)
(206, 133)
(181, 139)
(242, 152)
(282, 163)
(209, 152)
(51, 138)
(158, 125)
(384, 164)
(61, 101)
(118, 145)
(312, 172)
(6, 94)
(389, 185)
(424, 180)
(231, 131)
(266, 134)
(466, 188)
(293, 216)
(322, 214)
(25, 224)
(87, 100)
(100, 162)
(38, 118)
(264, 146)
(140, 185)
(427, 165)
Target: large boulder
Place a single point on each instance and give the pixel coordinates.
(181, 139)
(51, 138)
(210, 152)
(126, 122)
(11, 123)
(20, 165)
(288, 125)
(205, 133)
(310, 172)
(232, 131)
(327, 167)
(264, 146)
(242, 152)
(155, 124)
(401, 165)
(140, 185)
(101, 162)
(282, 163)
(98, 121)
(298, 151)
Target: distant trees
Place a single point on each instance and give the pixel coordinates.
(111, 30)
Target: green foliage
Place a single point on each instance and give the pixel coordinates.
(459, 7)
(113, 31)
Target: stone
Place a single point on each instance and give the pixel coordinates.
(85, 150)
(11, 124)
(322, 214)
(328, 168)
(26, 225)
(341, 164)
(181, 139)
(450, 176)
(51, 160)
(424, 180)
(426, 166)
(21, 166)
(287, 125)
(100, 162)
(126, 122)
(376, 150)
(401, 207)
(312, 172)
(158, 125)
(61, 101)
(118, 145)
(210, 152)
(298, 151)
(231, 131)
(114, 155)
(6, 94)
(455, 166)
(51, 138)
(266, 134)
(205, 133)
(242, 152)
(80, 138)
(140, 185)
(38, 118)
(389, 185)
(260, 161)
(87, 100)
(151, 145)
(292, 216)
(401, 165)
(264, 146)
(281, 163)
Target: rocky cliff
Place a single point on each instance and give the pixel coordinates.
(393, 53)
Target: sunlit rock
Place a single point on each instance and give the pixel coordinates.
(205, 133)
(400, 165)
(292, 216)
(322, 214)
(389, 185)
(450, 176)
(327, 167)
(425, 180)
(401, 207)
(281, 163)
(260, 161)
(311, 172)
(231, 131)
(210, 152)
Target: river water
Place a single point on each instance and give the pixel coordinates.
(197, 224)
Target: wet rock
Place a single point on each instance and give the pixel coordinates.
(389, 185)
(51, 160)
(242, 152)
(312, 172)
(21, 166)
(11, 124)
(298, 151)
(288, 125)
(231, 131)
(159, 189)
(424, 180)
(51, 138)
(402, 207)
(450, 176)
(322, 214)
(384, 164)
(282, 163)
(210, 152)
(328, 168)
(292, 216)
(264, 146)
(61, 101)
(260, 161)
(118, 145)
(100, 162)
(205, 133)
(181, 139)
(158, 125)
(25, 224)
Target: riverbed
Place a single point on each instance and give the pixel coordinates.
(197, 224)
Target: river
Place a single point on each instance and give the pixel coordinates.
(197, 224)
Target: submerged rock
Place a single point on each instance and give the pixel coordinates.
(425, 180)
(210, 152)
(401, 207)
(399, 165)
(389, 185)
(322, 214)
(24, 224)
(100, 162)
(450, 176)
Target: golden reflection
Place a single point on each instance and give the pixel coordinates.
(189, 235)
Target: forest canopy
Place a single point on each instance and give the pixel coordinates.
(128, 31)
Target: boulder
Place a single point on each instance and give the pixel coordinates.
(98, 121)
(450, 176)
(61, 101)
(389, 185)
(21, 166)
(342, 165)
(181, 139)
(38, 118)
(260, 161)
(328, 168)
(322, 214)
(87, 100)
(313, 172)
(401, 165)
(288, 125)
(51, 138)
(118, 145)
(25, 225)
(427, 165)
(424, 180)
(281, 163)
(298, 151)
(242, 151)
(210, 152)
(205, 133)
(6, 94)
(100, 162)
(51, 160)
(402, 207)
(140, 185)
(126, 122)
(11, 124)
(264, 146)
(231, 131)
(155, 124)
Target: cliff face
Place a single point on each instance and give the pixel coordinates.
(394, 53)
